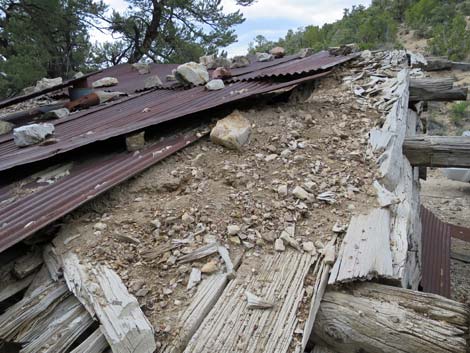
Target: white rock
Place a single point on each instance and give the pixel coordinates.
(156, 223)
(239, 61)
(270, 157)
(187, 218)
(233, 229)
(142, 68)
(308, 246)
(192, 73)
(232, 131)
(208, 61)
(194, 278)
(31, 134)
(105, 82)
(279, 245)
(215, 85)
(48, 83)
(57, 114)
(282, 190)
(152, 81)
(100, 226)
(263, 57)
(301, 194)
(5, 127)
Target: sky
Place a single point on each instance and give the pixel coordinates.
(270, 18)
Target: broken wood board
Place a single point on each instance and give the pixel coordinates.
(14, 286)
(104, 295)
(365, 251)
(27, 264)
(370, 317)
(231, 327)
(95, 343)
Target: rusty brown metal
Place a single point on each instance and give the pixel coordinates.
(436, 241)
(27, 214)
(459, 232)
(132, 114)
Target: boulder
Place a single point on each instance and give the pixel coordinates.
(221, 72)
(56, 114)
(152, 81)
(45, 83)
(277, 52)
(239, 61)
(263, 57)
(305, 52)
(135, 142)
(31, 134)
(105, 82)
(208, 61)
(223, 62)
(5, 127)
(192, 73)
(141, 68)
(215, 85)
(232, 131)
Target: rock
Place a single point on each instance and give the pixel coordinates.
(105, 82)
(328, 196)
(135, 142)
(270, 157)
(56, 114)
(187, 218)
(100, 226)
(235, 240)
(215, 85)
(301, 194)
(142, 68)
(239, 61)
(156, 223)
(152, 81)
(209, 267)
(233, 131)
(269, 237)
(282, 190)
(142, 292)
(305, 52)
(286, 237)
(277, 52)
(194, 278)
(78, 74)
(233, 229)
(127, 238)
(279, 245)
(263, 57)
(222, 61)
(192, 73)
(31, 134)
(109, 96)
(45, 83)
(170, 78)
(208, 61)
(308, 246)
(221, 72)
(5, 127)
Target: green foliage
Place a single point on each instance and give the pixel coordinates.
(459, 112)
(452, 40)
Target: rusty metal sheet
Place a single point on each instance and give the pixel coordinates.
(435, 254)
(132, 114)
(459, 232)
(27, 214)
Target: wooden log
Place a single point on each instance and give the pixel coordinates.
(369, 317)
(431, 84)
(453, 94)
(438, 151)
(460, 66)
(104, 295)
(437, 64)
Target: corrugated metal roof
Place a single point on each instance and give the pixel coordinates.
(28, 214)
(436, 243)
(131, 115)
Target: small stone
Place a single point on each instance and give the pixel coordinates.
(263, 57)
(308, 246)
(209, 267)
(279, 245)
(233, 131)
(269, 237)
(221, 72)
(105, 82)
(239, 61)
(31, 134)
(142, 68)
(135, 142)
(156, 223)
(142, 292)
(282, 190)
(235, 240)
(187, 218)
(301, 194)
(45, 83)
(152, 81)
(100, 226)
(277, 52)
(192, 73)
(270, 157)
(56, 114)
(233, 229)
(5, 127)
(215, 85)
(170, 78)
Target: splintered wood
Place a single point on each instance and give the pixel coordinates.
(232, 327)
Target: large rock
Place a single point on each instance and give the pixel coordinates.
(239, 61)
(141, 68)
(208, 61)
(262, 57)
(221, 72)
(105, 82)
(215, 85)
(192, 73)
(48, 83)
(232, 131)
(305, 52)
(152, 81)
(277, 52)
(31, 134)
(5, 127)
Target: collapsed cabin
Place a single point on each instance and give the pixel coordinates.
(278, 210)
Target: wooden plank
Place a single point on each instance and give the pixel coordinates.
(27, 264)
(433, 84)
(453, 94)
(369, 317)
(14, 286)
(232, 327)
(104, 295)
(365, 251)
(438, 151)
(95, 343)
(460, 256)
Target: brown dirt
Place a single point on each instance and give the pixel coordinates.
(218, 187)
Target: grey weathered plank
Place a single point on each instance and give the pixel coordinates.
(453, 94)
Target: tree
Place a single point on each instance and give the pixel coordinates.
(169, 30)
(451, 40)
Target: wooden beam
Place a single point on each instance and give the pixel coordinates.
(438, 64)
(453, 94)
(370, 317)
(438, 151)
(432, 84)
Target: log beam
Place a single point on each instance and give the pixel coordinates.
(453, 94)
(438, 151)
